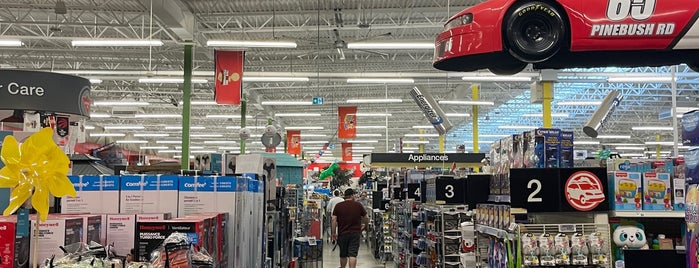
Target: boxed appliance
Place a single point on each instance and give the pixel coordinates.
(567, 151)
(149, 235)
(96, 194)
(148, 194)
(218, 244)
(547, 148)
(690, 128)
(626, 188)
(657, 191)
(57, 231)
(121, 229)
(206, 194)
(13, 248)
(94, 227)
(678, 191)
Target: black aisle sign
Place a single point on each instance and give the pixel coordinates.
(559, 190)
(426, 158)
(414, 191)
(44, 91)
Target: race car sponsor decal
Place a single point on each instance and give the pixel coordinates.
(633, 29)
(638, 11)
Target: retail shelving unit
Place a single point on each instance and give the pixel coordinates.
(444, 236)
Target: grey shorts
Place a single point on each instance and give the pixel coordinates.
(349, 244)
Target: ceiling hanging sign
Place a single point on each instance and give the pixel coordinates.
(426, 158)
(229, 76)
(44, 91)
(432, 110)
(347, 122)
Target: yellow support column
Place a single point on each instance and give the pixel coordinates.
(441, 144)
(546, 103)
(657, 147)
(421, 147)
(474, 117)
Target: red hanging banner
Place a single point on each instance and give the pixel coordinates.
(293, 142)
(347, 122)
(229, 76)
(346, 151)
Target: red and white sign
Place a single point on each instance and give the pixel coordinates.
(584, 191)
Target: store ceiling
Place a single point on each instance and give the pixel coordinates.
(317, 27)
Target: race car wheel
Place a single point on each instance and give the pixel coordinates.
(694, 67)
(535, 31)
(508, 69)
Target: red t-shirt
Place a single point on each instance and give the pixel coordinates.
(349, 215)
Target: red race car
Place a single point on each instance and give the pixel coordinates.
(506, 35)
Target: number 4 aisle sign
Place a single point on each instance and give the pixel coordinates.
(559, 190)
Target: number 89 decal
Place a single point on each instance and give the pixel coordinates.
(636, 9)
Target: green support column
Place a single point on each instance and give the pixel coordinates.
(243, 112)
(186, 104)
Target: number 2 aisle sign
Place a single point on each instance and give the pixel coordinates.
(537, 190)
(559, 190)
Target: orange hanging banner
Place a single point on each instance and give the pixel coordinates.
(346, 151)
(293, 141)
(229, 76)
(347, 122)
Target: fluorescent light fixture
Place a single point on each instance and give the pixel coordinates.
(314, 148)
(206, 135)
(630, 148)
(517, 127)
(626, 137)
(296, 114)
(586, 142)
(280, 103)
(220, 142)
(654, 128)
(380, 80)
(248, 127)
(422, 135)
(107, 135)
(11, 43)
(363, 141)
(579, 103)
(423, 127)
(169, 151)
(374, 101)
(363, 147)
(497, 78)
(393, 45)
(227, 116)
(621, 144)
(312, 135)
(154, 147)
(120, 103)
(481, 142)
(169, 142)
(275, 79)
(151, 135)
(493, 136)
(369, 135)
(481, 103)
(655, 152)
(124, 127)
(415, 142)
(116, 43)
(370, 127)
(100, 115)
(180, 127)
(131, 141)
(251, 43)
(204, 152)
(303, 128)
(190, 147)
(632, 155)
(666, 143)
(95, 81)
(228, 148)
(640, 79)
(200, 102)
(559, 115)
(314, 142)
(362, 151)
(89, 127)
(411, 148)
(165, 80)
(157, 116)
(458, 115)
(373, 114)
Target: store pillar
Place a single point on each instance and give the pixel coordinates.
(186, 105)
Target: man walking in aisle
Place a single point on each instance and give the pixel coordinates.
(349, 219)
(331, 205)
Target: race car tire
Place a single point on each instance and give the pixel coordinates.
(534, 31)
(694, 67)
(508, 69)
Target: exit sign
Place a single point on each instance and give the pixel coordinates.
(318, 100)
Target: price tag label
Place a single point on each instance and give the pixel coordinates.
(537, 190)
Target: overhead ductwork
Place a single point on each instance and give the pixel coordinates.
(432, 110)
(609, 104)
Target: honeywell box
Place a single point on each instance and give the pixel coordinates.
(218, 241)
(13, 249)
(121, 229)
(149, 235)
(206, 194)
(93, 227)
(55, 232)
(96, 194)
(148, 194)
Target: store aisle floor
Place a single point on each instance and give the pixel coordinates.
(331, 259)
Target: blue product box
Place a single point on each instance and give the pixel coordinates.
(626, 188)
(96, 194)
(148, 194)
(690, 128)
(691, 159)
(217, 163)
(199, 194)
(547, 147)
(657, 191)
(567, 151)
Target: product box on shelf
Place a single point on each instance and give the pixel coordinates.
(517, 156)
(626, 188)
(121, 229)
(567, 150)
(13, 249)
(690, 128)
(57, 231)
(149, 235)
(206, 194)
(529, 157)
(148, 194)
(657, 191)
(506, 157)
(496, 157)
(547, 147)
(691, 160)
(94, 227)
(96, 194)
(217, 238)
(678, 192)
(630, 165)
(209, 163)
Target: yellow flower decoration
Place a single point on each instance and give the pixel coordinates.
(34, 169)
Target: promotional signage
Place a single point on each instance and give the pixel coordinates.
(347, 122)
(293, 141)
(432, 110)
(229, 76)
(346, 151)
(44, 91)
(560, 190)
(418, 158)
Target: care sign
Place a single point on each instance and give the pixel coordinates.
(44, 91)
(560, 190)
